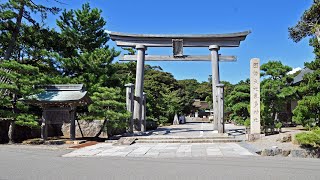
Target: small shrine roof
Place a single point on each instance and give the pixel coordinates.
(61, 94)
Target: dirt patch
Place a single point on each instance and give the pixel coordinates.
(89, 143)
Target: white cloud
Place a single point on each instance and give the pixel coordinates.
(294, 70)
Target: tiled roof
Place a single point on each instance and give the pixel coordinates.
(298, 78)
(61, 93)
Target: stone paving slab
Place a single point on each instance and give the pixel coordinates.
(178, 150)
(197, 130)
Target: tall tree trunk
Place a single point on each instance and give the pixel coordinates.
(102, 127)
(15, 32)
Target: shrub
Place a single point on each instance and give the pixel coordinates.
(247, 123)
(311, 138)
(278, 125)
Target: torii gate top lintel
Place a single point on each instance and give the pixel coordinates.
(189, 40)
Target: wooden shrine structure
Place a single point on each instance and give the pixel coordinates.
(58, 103)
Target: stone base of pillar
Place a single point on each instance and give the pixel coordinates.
(143, 126)
(136, 125)
(253, 137)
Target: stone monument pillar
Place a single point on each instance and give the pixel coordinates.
(215, 80)
(255, 127)
(137, 111)
(129, 103)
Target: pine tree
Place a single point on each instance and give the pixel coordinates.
(85, 57)
(22, 80)
(276, 90)
(307, 112)
(82, 31)
(238, 102)
(107, 106)
(309, 24)
(14, 14)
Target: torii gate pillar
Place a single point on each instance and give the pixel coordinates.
(215, 81)
(138, 95)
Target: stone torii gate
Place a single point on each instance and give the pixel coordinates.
(211, 41)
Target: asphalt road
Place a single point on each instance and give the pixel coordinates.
(21, 162)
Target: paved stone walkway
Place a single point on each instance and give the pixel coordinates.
(198, 130)
(162, 150)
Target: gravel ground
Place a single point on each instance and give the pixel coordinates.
(271, 140)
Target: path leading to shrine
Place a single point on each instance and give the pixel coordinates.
(179, 149)
(163, 150)
(198, 130)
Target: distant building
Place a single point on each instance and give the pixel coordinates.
(200, 108)
(286, 116)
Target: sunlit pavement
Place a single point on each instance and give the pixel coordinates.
(163, 150)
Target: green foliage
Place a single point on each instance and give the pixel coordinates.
(90, 68)
(162, 94)
(21, 81)
(188, 93)
(82, 31)
(204, 90)
(308, 24)
(107, 106)
(278, 125)
(247, 123)
(18, 16)
(275, 90)
(122, 73)
(307, 112)
(238, 101)
(28, 120)
(85, 58)
(311, 138)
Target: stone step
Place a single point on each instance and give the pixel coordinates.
(125, 141)
(187, 140)
(181, 138)
(197, 120)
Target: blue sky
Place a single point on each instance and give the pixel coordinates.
(267, 19)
